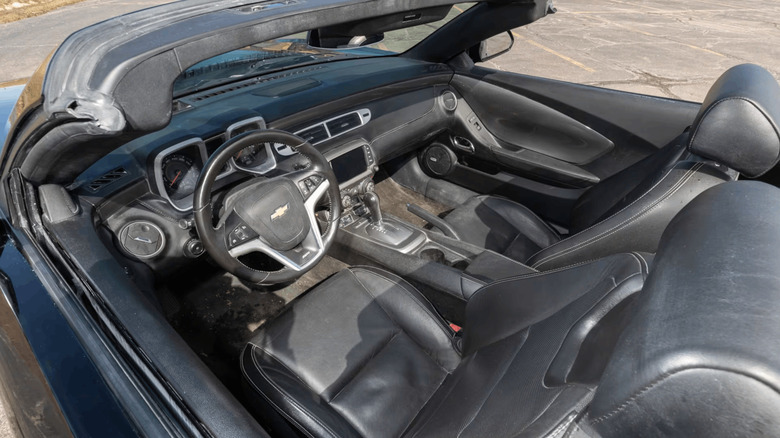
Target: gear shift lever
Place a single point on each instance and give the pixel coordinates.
(371, 201)
(387, 232)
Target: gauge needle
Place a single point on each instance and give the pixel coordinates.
(178, 174)
(239, 153)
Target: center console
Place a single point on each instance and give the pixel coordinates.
(362, 216)
(442, 263)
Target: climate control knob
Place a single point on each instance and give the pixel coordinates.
(346, 201)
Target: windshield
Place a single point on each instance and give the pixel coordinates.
(295, 51)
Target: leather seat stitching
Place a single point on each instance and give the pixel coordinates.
(537, 274)
(403, 284)
(286, 396)
(606, 233)
(524, 208)
(712, 107)
(622, 406)
(438, 406)
(617, 213)
(496, 382)
(444, 378)
(262, 394)
(395, 322)
(365, 362)
(673, 189)
(633, 397)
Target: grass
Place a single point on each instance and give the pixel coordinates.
(13, 10)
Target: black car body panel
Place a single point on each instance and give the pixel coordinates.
(47, 374)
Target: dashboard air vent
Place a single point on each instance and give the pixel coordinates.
(314, 134)
(343, 124)
(106, 179)
(336, 126)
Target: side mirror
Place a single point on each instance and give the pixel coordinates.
(492, 47)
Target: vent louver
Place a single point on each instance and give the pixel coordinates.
(315, 134)
(336, 126)
(107, 179)
(343, 124)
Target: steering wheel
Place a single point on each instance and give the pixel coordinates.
(274, 216)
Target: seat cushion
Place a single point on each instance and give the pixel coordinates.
(502, 225)
(359, 357)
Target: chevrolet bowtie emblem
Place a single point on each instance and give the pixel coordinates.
(281, 211)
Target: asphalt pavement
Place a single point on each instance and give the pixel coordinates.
(661, 47)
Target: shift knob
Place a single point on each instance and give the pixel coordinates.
(371, 201)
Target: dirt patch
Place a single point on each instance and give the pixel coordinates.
(13, 10)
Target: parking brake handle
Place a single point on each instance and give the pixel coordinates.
(433, 220)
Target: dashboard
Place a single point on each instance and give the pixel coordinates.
(361, 114)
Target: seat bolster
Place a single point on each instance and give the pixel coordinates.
(639, 225)
(501, 225)
(699, 356)
(508, 306)
(283, 390)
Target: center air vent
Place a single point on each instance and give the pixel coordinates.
(315, 134)
(336, 126)
(343, 124)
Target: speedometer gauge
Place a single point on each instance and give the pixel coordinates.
(251, 156)
(180, 174)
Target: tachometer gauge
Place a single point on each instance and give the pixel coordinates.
(180, 174)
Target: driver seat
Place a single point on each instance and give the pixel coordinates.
(365, 354)
(546, 354)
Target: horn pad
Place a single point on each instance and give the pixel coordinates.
(276, 212)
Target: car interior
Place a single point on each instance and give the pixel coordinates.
(385, 246)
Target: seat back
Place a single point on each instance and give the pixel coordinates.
(700, 356)
(736, 130)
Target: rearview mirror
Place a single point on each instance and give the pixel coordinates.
(492, 47)
(325, 39)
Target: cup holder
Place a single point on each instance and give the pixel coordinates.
(436, 255)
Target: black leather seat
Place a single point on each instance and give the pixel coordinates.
(364, 354)
(737, 126)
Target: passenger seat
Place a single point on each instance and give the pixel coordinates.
(736, 130)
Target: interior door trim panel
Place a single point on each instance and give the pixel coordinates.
(523, 124)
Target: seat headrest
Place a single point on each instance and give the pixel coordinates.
(737, 124)
(700, 356)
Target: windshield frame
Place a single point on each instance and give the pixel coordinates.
(319, 55)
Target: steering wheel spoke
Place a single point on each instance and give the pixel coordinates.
(309, 183)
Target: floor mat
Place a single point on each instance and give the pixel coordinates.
(394, 197)
(216, 313)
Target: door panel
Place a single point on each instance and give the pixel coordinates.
(559, 135)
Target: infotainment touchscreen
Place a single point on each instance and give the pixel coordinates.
(349, 165)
